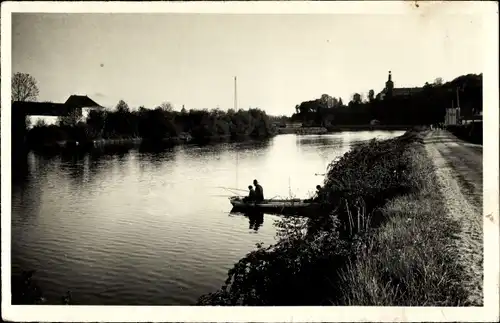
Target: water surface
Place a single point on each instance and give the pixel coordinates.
(153, 228)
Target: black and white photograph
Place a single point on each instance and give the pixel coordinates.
(250, 161)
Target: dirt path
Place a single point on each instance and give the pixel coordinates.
(459, 169)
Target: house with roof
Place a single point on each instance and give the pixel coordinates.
(82, 105)
(77, 105)
(390, 91)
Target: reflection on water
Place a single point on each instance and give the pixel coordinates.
(141, 226)
(256, 219)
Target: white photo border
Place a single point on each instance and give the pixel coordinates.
(490, 310)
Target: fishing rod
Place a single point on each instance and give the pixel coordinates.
(221, 195)
(233, 191)
(232, 188)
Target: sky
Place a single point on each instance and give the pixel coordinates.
(279, 60)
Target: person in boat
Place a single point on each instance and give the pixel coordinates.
(259, 191)
(251, 195)
(318, 191)
(315, 198)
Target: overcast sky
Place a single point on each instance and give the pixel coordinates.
(280, 60)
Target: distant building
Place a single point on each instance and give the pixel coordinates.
(390, 91)
(49, 112)
(82, 104)
(452, 117)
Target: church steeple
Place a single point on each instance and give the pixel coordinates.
(389, 85)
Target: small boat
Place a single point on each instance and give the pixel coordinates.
(275, 206)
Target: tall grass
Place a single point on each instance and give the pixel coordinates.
(409, 260)
(379, 239)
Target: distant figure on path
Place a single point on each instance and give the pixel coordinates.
(259, 191)
(251, 195)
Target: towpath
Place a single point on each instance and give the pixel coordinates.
(459, 170)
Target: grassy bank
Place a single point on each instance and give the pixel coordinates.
(409, 259)
(381, 238)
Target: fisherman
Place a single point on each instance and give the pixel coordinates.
(315, 196)
(318, 191)
(251, 195)
(259, 191)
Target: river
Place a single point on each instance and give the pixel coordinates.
(153, 228)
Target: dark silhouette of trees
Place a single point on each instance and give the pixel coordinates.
(371, 95)
(122, 107)
(24, 87)
(356, 98)
(161, 123)
(167, 106)
(425, 107)
(70, 120)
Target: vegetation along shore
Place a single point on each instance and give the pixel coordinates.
(383, 237)
(161, 124)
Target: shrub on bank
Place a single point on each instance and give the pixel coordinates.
(409, 260)
(364, 179)
(43, 134)
(302, 267)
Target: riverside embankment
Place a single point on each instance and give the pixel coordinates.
(459, 174)
(389, 234)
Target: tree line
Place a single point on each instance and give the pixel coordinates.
(159, 123)
(425, 107)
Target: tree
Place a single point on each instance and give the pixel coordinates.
(438, 81)
(96, 120)
(71, 119)
(335, 102)
(122, 106)
(371, 95)
(24, 87)
(40, 123)
(167, 107)
(356, 98)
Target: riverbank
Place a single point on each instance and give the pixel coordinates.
(86, 145)
(368, 127)
(341, 128)
(380, 240)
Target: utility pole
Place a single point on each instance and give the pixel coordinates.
(235, 109)
(235, 95)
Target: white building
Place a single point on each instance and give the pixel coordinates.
(452, 116)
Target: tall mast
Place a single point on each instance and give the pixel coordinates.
(235, 109)
(235, 95)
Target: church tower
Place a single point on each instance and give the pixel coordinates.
(389, 85)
